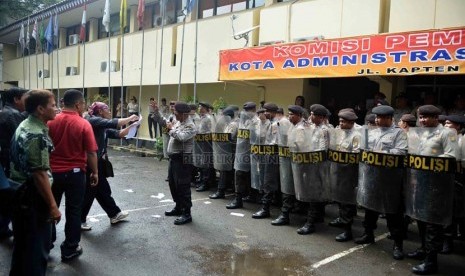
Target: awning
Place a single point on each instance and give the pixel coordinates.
(429, 52)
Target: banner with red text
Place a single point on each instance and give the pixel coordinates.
(433, 52)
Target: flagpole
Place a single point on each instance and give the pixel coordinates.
(37, 67)
(51, 74)
(182, 51)
(141, 74)
(83, 65)
(162, 8)
(122, 81)
(109, 67)
(28, 55)
(196, 42)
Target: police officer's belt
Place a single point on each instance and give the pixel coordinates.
(343, 157)
(207, 137)
(264, 149)
(431, 164)
(284, 151)
(382, 159)
(221, 137)
(309, 157)
(243, 133)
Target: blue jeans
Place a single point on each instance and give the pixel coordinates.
(73, 185)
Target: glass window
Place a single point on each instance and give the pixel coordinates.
(114, 26)
(209, 8)
(170, 14)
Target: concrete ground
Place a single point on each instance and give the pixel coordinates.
(219, 241)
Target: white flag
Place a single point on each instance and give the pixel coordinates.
(21, 38)
(34, 30)
(106, 16)
(28, 39)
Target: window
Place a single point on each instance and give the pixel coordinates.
(76, 30)
(114, 26)
(208, 8)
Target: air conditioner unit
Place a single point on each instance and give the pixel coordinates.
(73, 39)
(71, 71)
(309, 38)
(44, 74)
(265, 43)
(158, 21)
(104, 67)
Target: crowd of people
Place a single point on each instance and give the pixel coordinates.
(399, 165)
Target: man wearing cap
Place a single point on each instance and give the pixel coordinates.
(242, 156)
(179, 150)
(386, 195)
(224, 144)
(401, 107)
(407, 121)
(270, 182)
(203, 152)
(370, 120)
(163, 116)
(287, 187)
(343, 174)
(438, 143)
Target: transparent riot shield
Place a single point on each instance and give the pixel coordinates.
(310, 168)
(222, 144)
(242, 156)
(285, 167)
(258, 131)
(203, 152)
(343, 156)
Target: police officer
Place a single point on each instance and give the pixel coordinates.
(203, 152)
(179, 150)
(287, 182)
(386, 139)
(242, 156)
(407, 121)
(344, 148)
(429, 194)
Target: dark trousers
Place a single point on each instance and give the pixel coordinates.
(226, 179)
(347, 212)
(242, 182)
(395, 223)
(33, 235)
(152, 123)
(179, 176)
(432, 235)
(288, 202)
(101, 192)
(73, 185)
(207, 176)
(316, 212)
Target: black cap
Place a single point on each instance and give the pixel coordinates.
(442, 118)
(280, 110)
(228, 112)
(206, 105)
(234, 107)
(408, 118)
(370, 118)
(270, 107)
(328, 113)
(261, 110)
(428, 110)
(383, 110)
(182, 107)
(249, 105)
(347, 115)
(318, 109)
(193, 106)
(295, 109)
(458, 119)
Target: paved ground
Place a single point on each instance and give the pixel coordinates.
(217, 242)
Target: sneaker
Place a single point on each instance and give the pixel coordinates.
(119, 217)
(85, 227)
(72, 255)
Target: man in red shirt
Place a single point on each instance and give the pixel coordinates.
(75, 147)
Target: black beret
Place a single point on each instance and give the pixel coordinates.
(382, 102)
(234, 107)
(206, 105)
(249, 105)
(182, 107)
(228, 112)
(442, 117)
(270, 107)
(347, 115)
(383, 110)
(295, 109)
(458, 119)
(261, 110)
(280, 110)
(318, 109)
(370, 118)
(428, 110)
(328, 113)
(193, 106)
(347, 109)
(408, 118)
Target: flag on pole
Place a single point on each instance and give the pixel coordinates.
(123, 15)
(49, 36)
(106, 16)
(55, 29)
(21, 38)
(28, 38)
(42, 39)
(190, 6)
(140, 13)
(82, 33)
(34, 30)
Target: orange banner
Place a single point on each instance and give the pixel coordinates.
(433, 52)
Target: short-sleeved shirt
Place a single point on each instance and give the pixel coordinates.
(73, 138)
(103, 129)
(30, 150)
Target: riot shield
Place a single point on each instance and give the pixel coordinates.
(242, 156)
(429, 186)
(380, 176)
(309, 164)
(203, 152)
(343, 155)
(222, 144)
(258, 152)
(285, 167)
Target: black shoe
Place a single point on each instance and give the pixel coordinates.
(418, 254)
(69, 256)
(448, 246)
(183, 219)
(173, 212)
(202, 188)
(217, 195)
(344, 236)
(428, 266)
(337, 223)
(283, 219)
(249, 198)
(235, 204)
(365, 239)
(397, 253)
(308, 228)
(262, 213)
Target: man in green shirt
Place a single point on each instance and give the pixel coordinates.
(35, 208)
